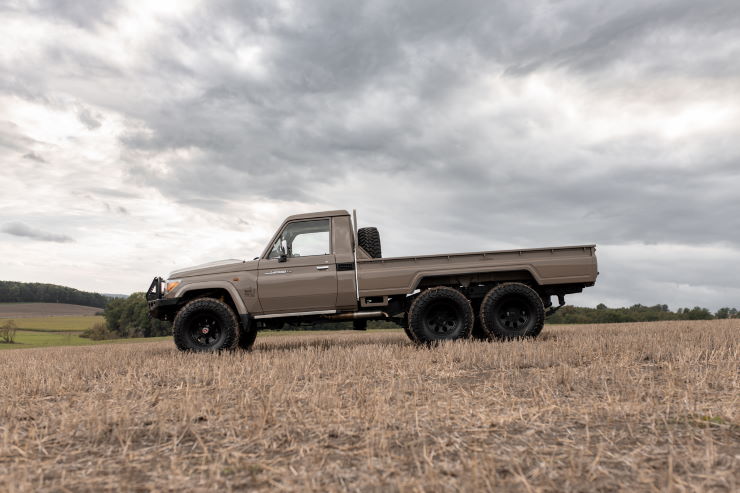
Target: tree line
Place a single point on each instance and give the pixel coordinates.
(635, 313)
(128, 317)
(34, 292)
(124, 317)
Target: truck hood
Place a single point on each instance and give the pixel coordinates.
(230, 265)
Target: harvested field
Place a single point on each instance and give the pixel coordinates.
(24, 310)
(66, 323)
(634, 407)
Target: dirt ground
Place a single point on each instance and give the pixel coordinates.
(629, 407)
(25, 310)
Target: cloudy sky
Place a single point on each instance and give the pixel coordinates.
(137, 137)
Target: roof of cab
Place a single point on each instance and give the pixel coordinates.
(315, 215)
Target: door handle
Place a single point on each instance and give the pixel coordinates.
(322, 267)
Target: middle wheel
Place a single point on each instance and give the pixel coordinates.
(440, 314)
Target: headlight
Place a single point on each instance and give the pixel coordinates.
(171, 284)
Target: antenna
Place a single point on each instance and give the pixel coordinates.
(354, 251)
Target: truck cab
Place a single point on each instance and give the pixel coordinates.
(308, 266)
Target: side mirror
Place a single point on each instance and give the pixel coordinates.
(283, 249)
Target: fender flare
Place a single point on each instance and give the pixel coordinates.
(197, 286)
(465, 271)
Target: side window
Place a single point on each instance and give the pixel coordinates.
(304, 239)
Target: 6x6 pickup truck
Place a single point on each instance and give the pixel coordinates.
(319, 267)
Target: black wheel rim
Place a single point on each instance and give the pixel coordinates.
(514, 315)
(205, 330)
(443, 319)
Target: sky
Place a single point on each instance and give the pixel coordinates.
(140, 137)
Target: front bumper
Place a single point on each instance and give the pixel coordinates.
(160, 307)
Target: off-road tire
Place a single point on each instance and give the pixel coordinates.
(512, 310)
(206, 313)
(247, 335)
(440, 314)
(359, 324)
(407, 330)
(369, 240)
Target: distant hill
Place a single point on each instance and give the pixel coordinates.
(34, 292)
(29, 310)
(114, 295)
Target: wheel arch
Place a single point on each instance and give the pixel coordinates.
(524, 274)
(219, 290)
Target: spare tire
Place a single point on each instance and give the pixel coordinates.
(369, 240)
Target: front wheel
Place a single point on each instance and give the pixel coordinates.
(205, 324)
(512, 310)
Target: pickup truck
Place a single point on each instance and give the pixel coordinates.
(320, 267)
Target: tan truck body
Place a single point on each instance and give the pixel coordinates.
(267, 287)
(345, 282)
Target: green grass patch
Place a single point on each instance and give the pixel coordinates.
(56, 324)
(31, 339)
(703, 421)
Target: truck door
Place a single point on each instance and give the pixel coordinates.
(307, 280)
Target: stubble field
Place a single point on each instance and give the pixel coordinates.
(634, 407)
(36, 310)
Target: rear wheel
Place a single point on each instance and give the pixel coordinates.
(512, 310)
(205, 324)
(440, 314)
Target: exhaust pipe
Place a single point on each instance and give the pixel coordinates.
(357, 315)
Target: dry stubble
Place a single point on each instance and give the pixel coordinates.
(583, 408)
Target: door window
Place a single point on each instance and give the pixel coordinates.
(304, 239)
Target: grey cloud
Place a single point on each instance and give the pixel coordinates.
(112, 192)
(34, 157)
(305, 123)
(86, 117)
(11, 138)
(82, 13)
(295, 123)
(117, 209)
(25, 231)
(657, 34)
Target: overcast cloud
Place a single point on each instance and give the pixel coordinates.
(160, 134)
(24, 231)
